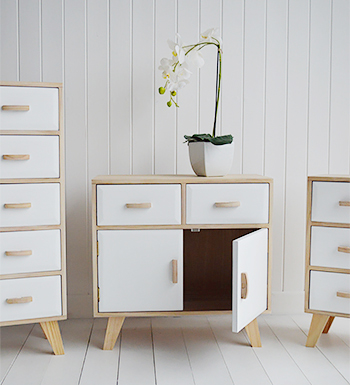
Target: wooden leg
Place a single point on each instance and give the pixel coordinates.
(318, 324)
(328, 325)
(253, 333)
(114, 326)
(53, 335)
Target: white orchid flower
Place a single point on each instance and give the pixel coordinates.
(177, 50)
(165, 67)
(178, 78)
(195, 58)
(211, 35)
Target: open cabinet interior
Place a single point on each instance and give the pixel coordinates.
(208, 268)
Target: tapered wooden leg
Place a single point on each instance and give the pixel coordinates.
(328, 325)
(318, 324)
(114, 326)
(53, 335)
(252, 330)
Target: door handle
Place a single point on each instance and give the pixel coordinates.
(244, 285)
(175, 270)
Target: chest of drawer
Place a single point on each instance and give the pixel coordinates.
(29, 298)
(138, 204)
(330, 202)
(29, 156)
(30, 251)
(29, 204)
(329, 292)
(29, 108)
(227, 203)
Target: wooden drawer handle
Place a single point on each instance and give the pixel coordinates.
(175, 271)
(12, 301)
(17, 205)
(343, 294)
(138, 205)
(19, 253)
(244, 285)
(344, 203)
(344, 249)
(16, 157)
(227, 204)
(15, 108)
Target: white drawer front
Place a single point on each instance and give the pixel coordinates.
(44, 201)
(45, 293)
(42, 113)
(30, 251)
(324, 287)
(330, 247)
(29, 156)
(207, 203)
(325, 202)
(138, 204)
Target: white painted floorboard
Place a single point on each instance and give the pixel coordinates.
(193, 350)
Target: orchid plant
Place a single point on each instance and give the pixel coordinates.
(177, 71)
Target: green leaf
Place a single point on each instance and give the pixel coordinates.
(217, 140)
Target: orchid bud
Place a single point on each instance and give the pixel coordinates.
(173, 93)
(169, 103)
(161, 90)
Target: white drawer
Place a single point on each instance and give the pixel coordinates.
(227, 203)
(325, 289)
(30, 251)
(330, 247)
(44, 292)
(29, 156)
(138, 204)
(42, 113)
(326, 198)
(43, 199)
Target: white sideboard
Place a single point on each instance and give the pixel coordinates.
(181, 245)
(32, 207)
(327, 279)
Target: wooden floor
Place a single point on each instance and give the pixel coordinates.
(192, 350)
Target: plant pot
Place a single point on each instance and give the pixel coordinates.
(208, 159)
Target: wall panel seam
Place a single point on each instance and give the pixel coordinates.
(330, 86)
(40, 8)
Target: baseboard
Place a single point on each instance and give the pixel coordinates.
(80, 306)
(287, 302)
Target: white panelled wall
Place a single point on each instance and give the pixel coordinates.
(285, 99)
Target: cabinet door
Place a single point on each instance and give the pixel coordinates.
(136, 270)
(249, 264)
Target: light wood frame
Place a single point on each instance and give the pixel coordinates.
(116, 319)
(48, 324)
(321, 320)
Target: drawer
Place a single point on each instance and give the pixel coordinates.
(329, 202)
(227, 203)
(39, 108)
(29, 156)
(29, 204)
(328, 292)
(30, 251)
(29, 298)
(330, 247)
(138, 204)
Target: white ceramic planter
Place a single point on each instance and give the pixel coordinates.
(208, 159)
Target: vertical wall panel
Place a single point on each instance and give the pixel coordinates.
(232, 77)
(9, 40)
(254, 87)
(339, 161)
(77, 181)
(165, 117)
(276, 95)
(30, 40)
(296, 166)
(143, 86)
(120, 86)
(52, 41)
(320, 39)
(187, 113)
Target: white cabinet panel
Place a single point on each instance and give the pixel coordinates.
(41, 156)
(250, 257)
(42, 113)
(45, 294)
(206, 203)
(162, 204)
(135, 270)
(44, 200)
(30, 251)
